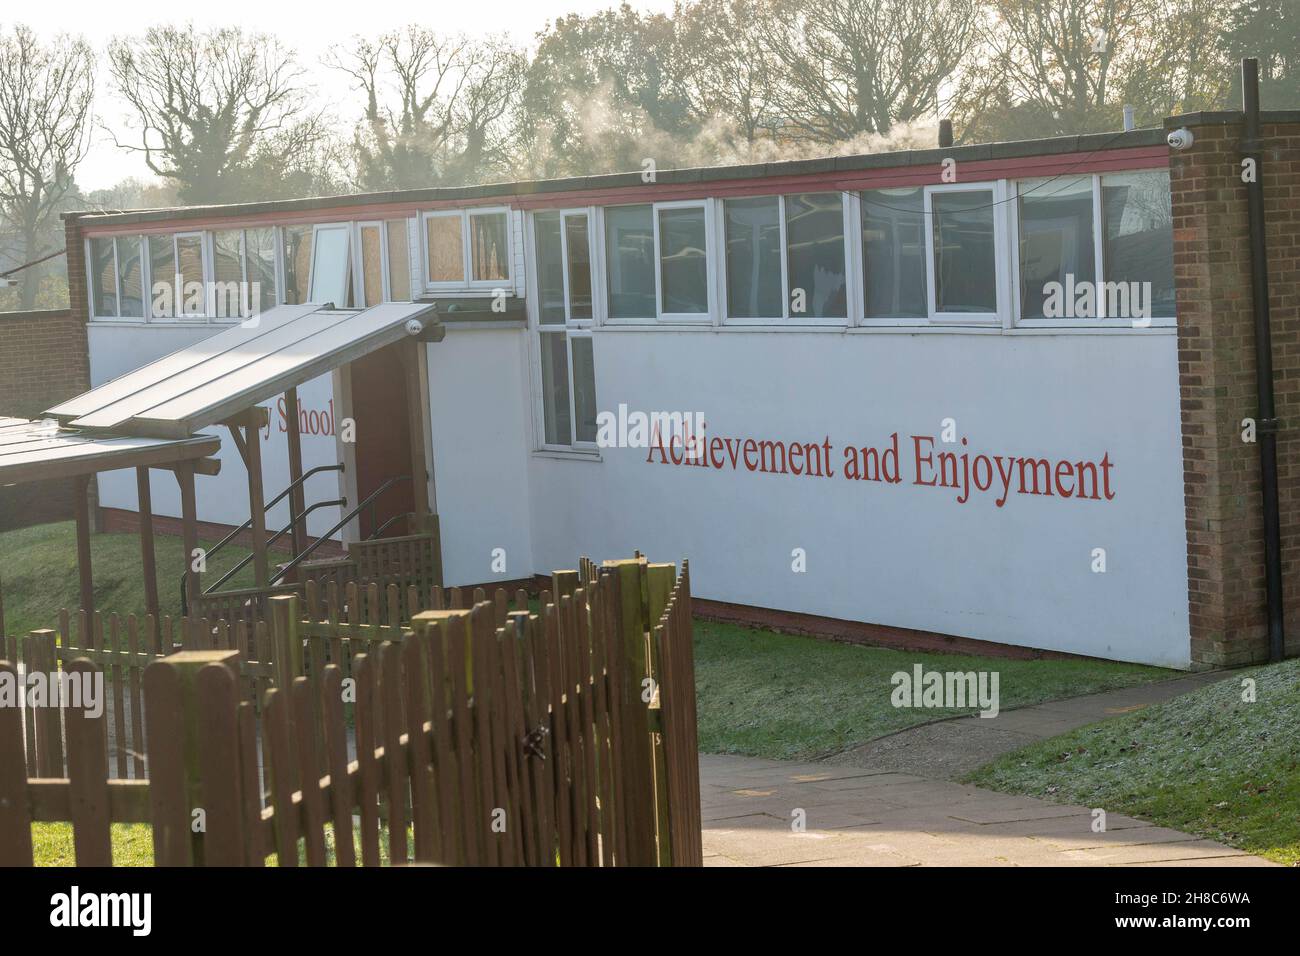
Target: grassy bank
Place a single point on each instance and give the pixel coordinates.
(38, 573)
(780, 696)
(1207, 762)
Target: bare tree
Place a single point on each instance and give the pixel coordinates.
(222, 113)
(438, 109)
(731, 73)
(45, 99)
(1068, 66)
(861, 66)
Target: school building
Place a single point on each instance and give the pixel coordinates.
(995, 392)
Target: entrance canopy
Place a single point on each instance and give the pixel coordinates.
(213, 380)
(45, 451)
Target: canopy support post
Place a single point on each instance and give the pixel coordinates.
(144, 498)
(297, 503)
(81, 508)
(189, 529)
(256, 499)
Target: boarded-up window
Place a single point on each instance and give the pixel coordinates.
(372, 265)
(445, 248)
(399, 261)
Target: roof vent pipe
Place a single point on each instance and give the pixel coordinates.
(1130, 121)
(945, 133)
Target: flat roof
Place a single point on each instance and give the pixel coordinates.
(1091, 142)
(43, 450)
(210, 381)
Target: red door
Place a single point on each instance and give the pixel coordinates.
(383, 445)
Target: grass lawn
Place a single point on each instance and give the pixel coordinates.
(780, 696)
(1206, 762)
(38, 573)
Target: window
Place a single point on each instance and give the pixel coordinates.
(785, 258)
(683, 262)
(446, 248)
(297, 263)
(259, 268)
(103, 277)
(399, 261)
(1095, 250)
(1056, 240)
(330, 273)
(1139, 238)
(814, 244)
(657, 261)
(893, 253)
(162, 275)
(467, 248)
(226, 295)
(562, 251)
(489, 243)
(371, 273)
(964, 271)
(630, 261)
(753, 238)
(130, 277)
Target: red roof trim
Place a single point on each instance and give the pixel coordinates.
(1059, 164)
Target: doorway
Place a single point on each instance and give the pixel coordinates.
(383, 442)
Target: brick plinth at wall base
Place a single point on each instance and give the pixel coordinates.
(873, 635)
(119, 519)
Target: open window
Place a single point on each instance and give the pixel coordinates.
(331, 273)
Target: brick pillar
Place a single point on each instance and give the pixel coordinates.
(1216, 370)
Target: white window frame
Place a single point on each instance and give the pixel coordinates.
(277, 280)
(852, 288)
(1101, 321)
(467, 282)
(210, 290)
(600, 276)
(317, 228)
(358, 262)
(686, 318)
(997, 191)
(571, 328)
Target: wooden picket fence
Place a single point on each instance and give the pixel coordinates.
(476, 735)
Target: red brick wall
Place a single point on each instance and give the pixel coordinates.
(1216, 361)
(43, 361)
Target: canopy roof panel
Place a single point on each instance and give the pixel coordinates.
(212, 380)
(45, 451)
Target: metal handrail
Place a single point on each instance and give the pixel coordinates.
(249, 524)
(271, 504)
(185, 603)
(344, 520)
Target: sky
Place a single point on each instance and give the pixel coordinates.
(309, 28)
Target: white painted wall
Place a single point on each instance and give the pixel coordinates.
(116, 349)
(479, 404)
(890, 554)
(902, 554)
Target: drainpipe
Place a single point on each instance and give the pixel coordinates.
(1267, 424)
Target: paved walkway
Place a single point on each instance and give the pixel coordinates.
(893, 802)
